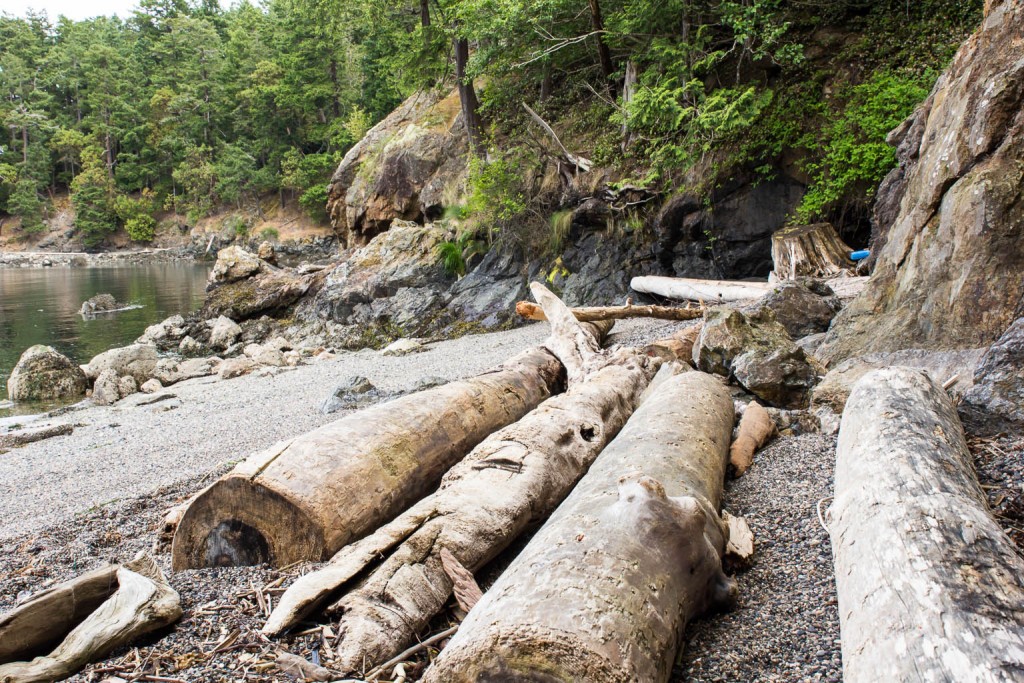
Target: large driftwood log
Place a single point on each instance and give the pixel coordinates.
(809, 250)
(930, 588)
(532, 311)
(714, 291)
(604, 590)
(394, 580)
(141, 603)
(304, 499)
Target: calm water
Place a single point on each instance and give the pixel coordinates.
(40, 306)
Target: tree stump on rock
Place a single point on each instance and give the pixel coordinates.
(809, 250)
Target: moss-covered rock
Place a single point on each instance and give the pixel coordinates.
(42, 373)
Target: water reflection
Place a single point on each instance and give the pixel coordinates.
(40, 306)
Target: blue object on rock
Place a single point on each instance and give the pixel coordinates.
(859, 255)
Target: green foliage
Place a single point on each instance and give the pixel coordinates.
(561, 224)
(270, 234)
(92, 193)
(855, 155)
(24, 201)
(455, 254)
(137, 215)
(495, 190)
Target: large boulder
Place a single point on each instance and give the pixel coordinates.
(996, 401)
(948, 271)
(396, 277)
(756, 350)
(234, 263)
(799, 310)
(165, 335)
(42, 373)
(404, 168)
(224, 332)
(268, 293)
(100, 303)
(105, 390)
(137, 360)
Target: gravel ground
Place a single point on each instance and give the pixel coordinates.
(62, 512)
(785, 626)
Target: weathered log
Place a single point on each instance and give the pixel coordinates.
(532, 311)
(26, 436)
(810, 250)
(930, 588)
(678, 346)
(714, 291)
(394, 580)
(39, 624)
(141, 603)
(512, 480)
(305, 498)
(604, 590)
(755, 428)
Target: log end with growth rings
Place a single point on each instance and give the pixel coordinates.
(238, 522)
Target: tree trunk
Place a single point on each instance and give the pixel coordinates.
(532, 311)
(812, 250)
(395, 579)
(141, 603)
(929, 586)
(304, 499)
(512, 480)
(699, 290)
(628, 91)
(605, 589)
(467, 96)
(604, 55)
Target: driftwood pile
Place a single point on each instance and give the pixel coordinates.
(621, 454)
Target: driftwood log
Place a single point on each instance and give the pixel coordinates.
(532, 311)
(26, 436)
(810, 250)
(714, 291)
(138, 600)
(304, 499)
(755, 427)
(929, 586)
(394, 581)
(678, 346)
(604, 590)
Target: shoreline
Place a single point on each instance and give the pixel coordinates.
(82, 259)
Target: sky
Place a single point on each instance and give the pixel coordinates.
(74, 9)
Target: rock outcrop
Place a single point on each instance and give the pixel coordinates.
(403, 169)
(948, 270)
(234, 263)
(42, 373)
(101, 303)
(996, 401)
(266, 293)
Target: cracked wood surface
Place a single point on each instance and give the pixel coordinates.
(930, 588)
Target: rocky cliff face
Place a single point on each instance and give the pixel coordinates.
(951, 257)
(403, 169)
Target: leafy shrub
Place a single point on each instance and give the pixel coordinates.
(455, 254)
(855, 154)
(137, 215)
(495, 190)
(270, 234)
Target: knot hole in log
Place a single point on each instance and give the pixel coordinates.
(233, 543)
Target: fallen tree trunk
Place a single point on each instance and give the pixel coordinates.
(699, 290)
(395, 578)
(27, 436)
(809, 250)
(929, 586)
(532, 311)
(304, 499)
(755, 428)
(141, 603)
(604, 590)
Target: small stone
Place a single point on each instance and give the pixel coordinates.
(151, 386)
(402, 347)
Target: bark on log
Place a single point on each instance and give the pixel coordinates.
(715, 291)
(810, 250)
(929, 586)
(604, 590)
(532, 311)
(755, 428)
(142, 602)
(394, 578)
(304, 499)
